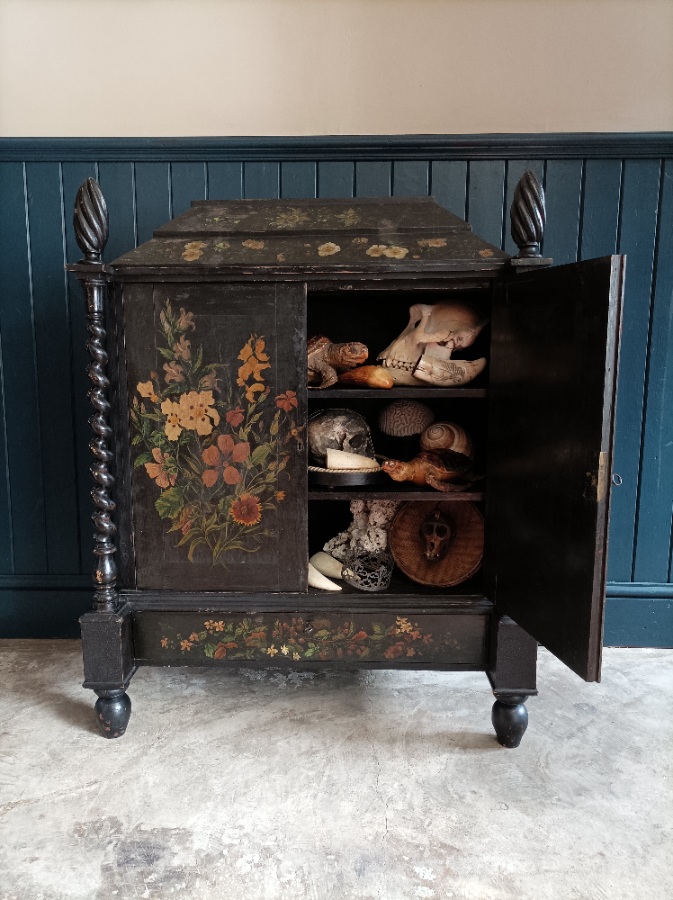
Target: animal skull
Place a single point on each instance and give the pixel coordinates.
(436, 532)
(423, 351)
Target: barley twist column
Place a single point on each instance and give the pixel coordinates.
(91, 231)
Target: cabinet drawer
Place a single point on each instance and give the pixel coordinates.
(293, 638)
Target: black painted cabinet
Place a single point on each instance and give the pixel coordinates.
(204, 517)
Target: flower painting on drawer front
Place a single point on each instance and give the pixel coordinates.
(294, 638)
(216, 447)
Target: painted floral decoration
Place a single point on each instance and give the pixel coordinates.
(324, 639)
(432, 242)
(328, 249)
(193, 250)
(290, 218)
(215, 453)
(348, 218)
(392, 252)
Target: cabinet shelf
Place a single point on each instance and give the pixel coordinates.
(400, 492)
(396, 393)
(404, 591)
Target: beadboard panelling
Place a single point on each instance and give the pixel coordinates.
(605, 194)
(652, 558)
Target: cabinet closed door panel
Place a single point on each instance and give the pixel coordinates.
(217, 398)
(553, 371)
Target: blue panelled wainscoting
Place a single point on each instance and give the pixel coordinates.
(606, 193)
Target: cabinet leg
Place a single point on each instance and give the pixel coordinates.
(510, 718)
(113, 711)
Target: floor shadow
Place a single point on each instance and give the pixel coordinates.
(77, 713)
(347, 691)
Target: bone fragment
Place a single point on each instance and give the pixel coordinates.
(448, 372)
(327, 565)
(341, 459)
(369, 376)
(317, 580)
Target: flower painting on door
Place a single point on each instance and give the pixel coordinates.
(216, 446)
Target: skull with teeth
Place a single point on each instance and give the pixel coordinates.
(436, 532)
(423, 351)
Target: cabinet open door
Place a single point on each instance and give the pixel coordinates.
(555, 337)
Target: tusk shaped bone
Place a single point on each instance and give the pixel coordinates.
(317, 580)
(342, 459)
(448, 372)
(326, 564)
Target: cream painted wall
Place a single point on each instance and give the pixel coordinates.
(300, 67)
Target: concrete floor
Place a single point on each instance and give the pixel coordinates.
(253, 785)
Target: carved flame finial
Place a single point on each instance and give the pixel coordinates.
(91, 220)
(527, 215)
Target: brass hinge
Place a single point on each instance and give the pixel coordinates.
(601, 476)
(596, 484)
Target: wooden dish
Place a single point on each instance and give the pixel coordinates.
(465, 552)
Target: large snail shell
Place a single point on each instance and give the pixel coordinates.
(446, 436)
(402, 418)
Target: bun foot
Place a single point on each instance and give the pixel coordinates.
(509, 718)
(113, 711)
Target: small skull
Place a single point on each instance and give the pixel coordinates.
(436, 532)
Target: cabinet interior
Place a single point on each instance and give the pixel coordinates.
(376, 316)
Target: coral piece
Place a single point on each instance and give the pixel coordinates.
(367, 533)
(402, 418)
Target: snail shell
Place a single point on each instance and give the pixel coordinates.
(402, 418)
(446, 436)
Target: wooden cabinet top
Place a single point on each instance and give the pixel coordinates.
(317, 237)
